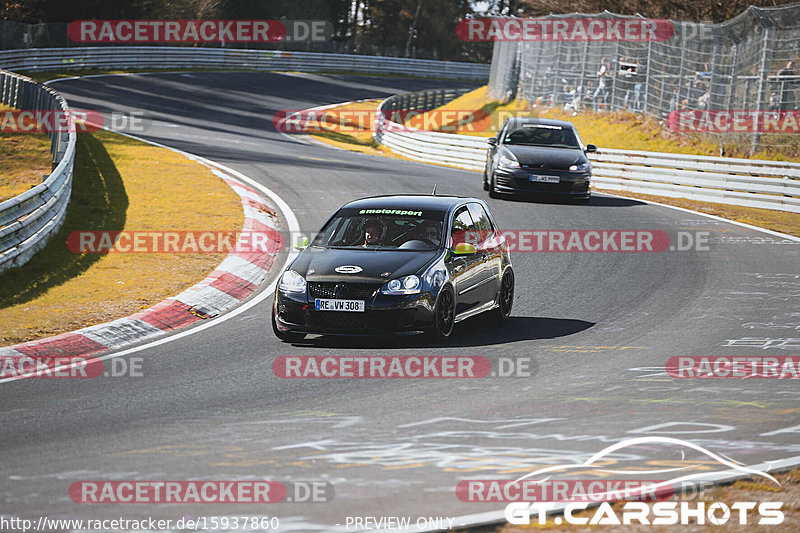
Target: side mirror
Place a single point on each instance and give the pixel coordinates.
(591, 148)
(492, 141)
(464, 248)
(300, 242)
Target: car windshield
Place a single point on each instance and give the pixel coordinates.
(542, 135)
(383, 229)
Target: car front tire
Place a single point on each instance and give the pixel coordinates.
(505, 297)
(444, 315)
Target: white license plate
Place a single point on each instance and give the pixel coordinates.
(545, 179)
(339, 305)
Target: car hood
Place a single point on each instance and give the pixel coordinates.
(319, 264)
(551, 157)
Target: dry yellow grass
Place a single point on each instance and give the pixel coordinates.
(24, 160)
(355, 120)
(629, 131)
(119, 184)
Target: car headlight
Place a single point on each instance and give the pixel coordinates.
(507, 162)
(406, 285)
(291, 281)
(583, 167)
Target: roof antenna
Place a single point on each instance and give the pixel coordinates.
(434, 190)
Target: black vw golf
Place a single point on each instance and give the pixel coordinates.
(538, 156)
(396, 264)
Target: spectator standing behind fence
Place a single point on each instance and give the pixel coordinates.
(630, 83)
(674, 99)
(786, 87)
(602, 76)
(575, 103)
(566, 93)
(697, 91)
(637, 94)
(702, 86)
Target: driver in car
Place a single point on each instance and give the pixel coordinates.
(372, 232)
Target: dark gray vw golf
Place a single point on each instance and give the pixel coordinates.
(396, 264)
(538, 156)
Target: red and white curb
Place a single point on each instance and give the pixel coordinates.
(236, 278)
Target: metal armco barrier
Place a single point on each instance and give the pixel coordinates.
(744, 182)
(28, 220)
(146, 57)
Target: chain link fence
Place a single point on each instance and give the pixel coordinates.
(744, 64)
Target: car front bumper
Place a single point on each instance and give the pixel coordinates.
(571, 184)
(382, 315)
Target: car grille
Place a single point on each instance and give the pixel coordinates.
(526, 184)
(544, 169)
(352, 291)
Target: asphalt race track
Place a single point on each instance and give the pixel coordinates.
(596, 328)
